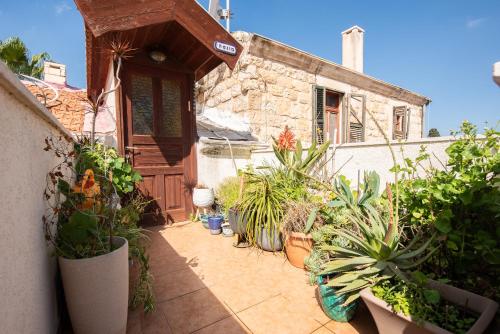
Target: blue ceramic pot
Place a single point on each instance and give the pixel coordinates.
(214, 224)
(331, 303)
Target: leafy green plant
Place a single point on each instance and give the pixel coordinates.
(423, 304)
(228, 193)
(373, 254)
(104, 160)
(262, 206)
(461, 202)
(364, 199)
(128, 217)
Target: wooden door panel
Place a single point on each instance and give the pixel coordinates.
(174, 191)
(158, 156)
(160, 138)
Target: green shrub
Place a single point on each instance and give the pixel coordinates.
(228, 193)
(462, 203)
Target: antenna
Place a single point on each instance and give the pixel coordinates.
(219, 13)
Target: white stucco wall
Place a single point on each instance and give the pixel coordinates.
(348, 159)
(105, 128)
(27, 269)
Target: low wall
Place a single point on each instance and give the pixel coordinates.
(350, 160)
(27, 269)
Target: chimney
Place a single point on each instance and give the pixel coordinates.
(352, 48)
(54, 73)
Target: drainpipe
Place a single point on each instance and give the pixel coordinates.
(424, 112)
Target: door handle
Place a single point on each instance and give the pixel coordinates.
(131, 148)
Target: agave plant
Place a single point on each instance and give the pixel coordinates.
(363, 199)
(290, 153)
(373, 254)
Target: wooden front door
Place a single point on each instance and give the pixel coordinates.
(159, 139)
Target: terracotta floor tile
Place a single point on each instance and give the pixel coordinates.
(229, 325)
(362, 323)
(176, 284)
(322, 330)
(246, 290)
(201, 279)
(155, 323)
(193, 311)
(275, 316)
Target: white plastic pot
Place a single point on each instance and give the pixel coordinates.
(96, 291)
(203, 198)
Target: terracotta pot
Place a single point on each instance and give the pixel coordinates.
(96, 291)
(394, 323)
(297, 247)
(203, 198)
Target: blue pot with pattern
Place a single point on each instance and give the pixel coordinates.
(332, 303)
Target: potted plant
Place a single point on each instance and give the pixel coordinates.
(89, 231)
(420, 305)
(373, 253)
(229, 195)
(297, 222)
(203, 197)
(262, 208)
(93, 261)
(214, 224)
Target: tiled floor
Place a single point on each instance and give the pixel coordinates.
(205, 285)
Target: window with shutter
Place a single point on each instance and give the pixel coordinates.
(355, 118)
(399, 122)
(318, 130)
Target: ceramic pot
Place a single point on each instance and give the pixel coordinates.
(298, 246)
(214, 223)
(270, 243)
(332, 304)
(203, 198)
(226, 230)
(389, 322)
(238, 227)
(96, 290)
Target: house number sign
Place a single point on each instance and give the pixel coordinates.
(226, 48)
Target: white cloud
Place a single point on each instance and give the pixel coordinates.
(61, 8)
(474, 23)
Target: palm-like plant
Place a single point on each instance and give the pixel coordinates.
(374, 253)
(15, 54)
(262, 206)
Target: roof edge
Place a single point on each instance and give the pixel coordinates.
(308, 62)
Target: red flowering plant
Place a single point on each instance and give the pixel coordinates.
(289, 152)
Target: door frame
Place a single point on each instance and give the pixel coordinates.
(189, 132)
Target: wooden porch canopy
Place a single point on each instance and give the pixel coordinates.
(182, 28)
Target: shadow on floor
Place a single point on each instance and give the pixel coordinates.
(184, 304)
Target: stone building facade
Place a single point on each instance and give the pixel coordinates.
(275, 85)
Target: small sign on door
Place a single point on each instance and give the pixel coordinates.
(226, 48)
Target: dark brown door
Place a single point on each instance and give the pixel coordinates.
(159, 139)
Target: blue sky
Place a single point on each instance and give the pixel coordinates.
(442, 49)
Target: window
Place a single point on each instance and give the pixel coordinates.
(400, 123)
(326, 120)
(355, 119)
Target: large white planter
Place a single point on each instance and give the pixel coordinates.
(203, 198)
(96, 291)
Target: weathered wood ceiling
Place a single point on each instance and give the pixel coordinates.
(181, 27)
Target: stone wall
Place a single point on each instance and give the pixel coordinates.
(268, 95)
